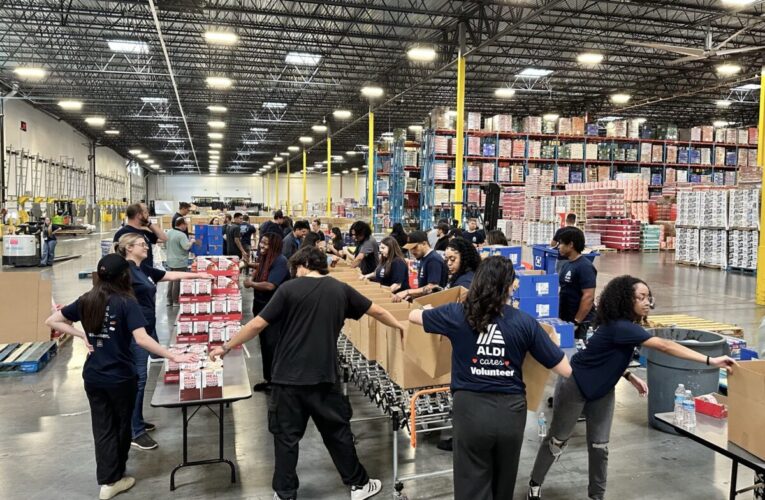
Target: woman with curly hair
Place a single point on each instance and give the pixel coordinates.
(624, 303)
(489, 340)
(462, 259)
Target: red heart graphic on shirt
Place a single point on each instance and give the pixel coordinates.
(507, 363)
(475, 360)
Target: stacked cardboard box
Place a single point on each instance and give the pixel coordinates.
(713, 247)
(539, 233)
(487, 171)
(689, 208)
(505, 148)
(513, 203)
(499, 123)
(532, 125)
(650, 237)
(621, 234)
(442, 145)
(744, 208)
(547, 209)
(742, 248)
(473, 146)
(518, 230)
(518, 149)
(687, 245)
(473, 121)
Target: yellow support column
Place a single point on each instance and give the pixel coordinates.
(371, 157)
(760, 291)
(276, 183)
(329, 176)
(305, 180)
(289, 213)
(459, 148)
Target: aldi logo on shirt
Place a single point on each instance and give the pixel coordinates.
(567, 277)
(489, 341)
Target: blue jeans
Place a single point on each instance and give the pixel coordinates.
(48, 251)
(140, 358)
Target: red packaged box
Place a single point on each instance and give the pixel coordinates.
(212, 383)
(190, 388)
(714, 404)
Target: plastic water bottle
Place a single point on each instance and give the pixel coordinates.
(689, 410)
(542, 424)
(679, 398)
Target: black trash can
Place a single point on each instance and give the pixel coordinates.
(665, 372)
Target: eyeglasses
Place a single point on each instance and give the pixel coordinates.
(141, 244)
(649, 298)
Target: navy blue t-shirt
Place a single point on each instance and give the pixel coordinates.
(145, 290)
(247, 230)
(491, 361)
(111, 362)
(609, 351)
(575, 276)
(477, 237)
(270, 227)
(149, 236)
(290, 245)
(399, 274)
(433, 271)
(463, 280)
(278, 273)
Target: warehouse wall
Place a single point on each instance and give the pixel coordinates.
(53, 139)
(183, 187)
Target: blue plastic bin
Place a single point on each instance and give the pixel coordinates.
(546, 258)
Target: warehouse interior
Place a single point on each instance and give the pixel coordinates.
(644, 119)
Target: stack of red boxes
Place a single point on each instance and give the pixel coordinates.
(621, 234)
(513, 203)
(487, 172)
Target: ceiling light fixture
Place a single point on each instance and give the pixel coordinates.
(294, 149)
(589, 58)
(274, 105)
(135, 152)
(70, 105)
(218, 82)
(550, 117)
(415, 128)
(216, 145)
(112, 132)
(306, 140)
(154, 100)
(258, 129)
(142, 156)
(95, 121)
(720, 124)
(747, 87)
(737, 3)
(30, 73)
(167, 125)
(221, 37)
(535, 73)
(302, 59)
(421, 54)
(723, 103)
(278, 159)
(372, 91)
(319, 129)
(215, 135)
(350, 153)
(620, 98)
(728, 69)
(128, 46)
(355, 169)
(216, 124)
(285, 154)
(342, 114)
(217, 109)
(504, 92)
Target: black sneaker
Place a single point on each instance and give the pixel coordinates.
(144, 442)
(149, 427)
(535, 493)
(262, 387)
(446, 444)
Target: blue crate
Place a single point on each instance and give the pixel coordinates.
(564, 330)
(508, 252)
(748, 354)
(539, 308)
(534, 285)
(200, 230)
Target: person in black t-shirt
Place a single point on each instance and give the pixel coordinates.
(462, 260)
(183, 210)
(247, 231)
(271, 270)
(337, 243)
(393, 270)
(489, 340)
(398, 233)
(442, 233)
(305, 381)
(570, 222)
(291, 242)
(474, 235)
(138, 223)
(624, 303)
(233, 242)
(367, 254)
(316, 228)
(112, 320)
(432, 274)
(272, 226)
(48, 249)
(577, 282)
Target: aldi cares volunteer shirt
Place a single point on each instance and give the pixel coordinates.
(491, 361)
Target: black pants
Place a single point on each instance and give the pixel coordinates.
(289, 408)
(268, 340)
(111, 410)
(488, 435)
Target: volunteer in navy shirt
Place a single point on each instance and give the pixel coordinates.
(138, 223)
(490, 340)
(273, 226)
(271, 270)
(112, 320)
(462, 260)
(144, 283)
(570, 222)
(577, 282)
(393, 271)
(291, 242)
(432, 273)
(625, 302)
(473, 234)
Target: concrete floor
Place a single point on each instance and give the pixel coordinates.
(46, 448)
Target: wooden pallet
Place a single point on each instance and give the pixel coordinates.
(694, 323)
(711, 266)
(29, 357)
(742, 270)
(684, 263)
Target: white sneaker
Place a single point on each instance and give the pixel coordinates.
(112, 490)
(372, 488)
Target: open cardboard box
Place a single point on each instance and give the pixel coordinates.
(401, 313)
(746, 407)
(25, 304)
(369, 327)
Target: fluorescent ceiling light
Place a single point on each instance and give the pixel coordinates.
(30, 73)
(112, 132)
(338, 158)
(609, 118)
(251, 143)
(737, 3)
(728, 69)
(216, 124)
(278, 159)
(504, 92)
(221, 37)
(162, 171)
(155, 167)
(167, 125)
(641, 121)
(350, 153)
(135, 152)
(154, 100)
(590, 58)
(149, 162)
(748, 86)
(218, 82)
(175, 141)
(215, 135)
(372, 91)
(70, 105)
(306, 140)
(720, 123)
(342, 114)
(421, 54)
(128, 46)
(274, 105)
(354, 169)
(270, 163)
(217, 109)
(550, 117)
(294, 149)
(216, 145)
(95, 121)
(284, 154)
(143, 156)
(723, 103)
(336, 173)
(415, 128)
(319, 128)
(620, 98)
(258, 129)
(535, 72)
(302, 59)
(345, 171)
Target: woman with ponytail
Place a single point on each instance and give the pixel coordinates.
(112, 320)
(490, 340)
(144, 279)
(271, 270)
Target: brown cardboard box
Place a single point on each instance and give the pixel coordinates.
(432, 353)
(401, 313)
(746, 407)
(368, 331)
(535, 375)
(402, 369)
(25, 304)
